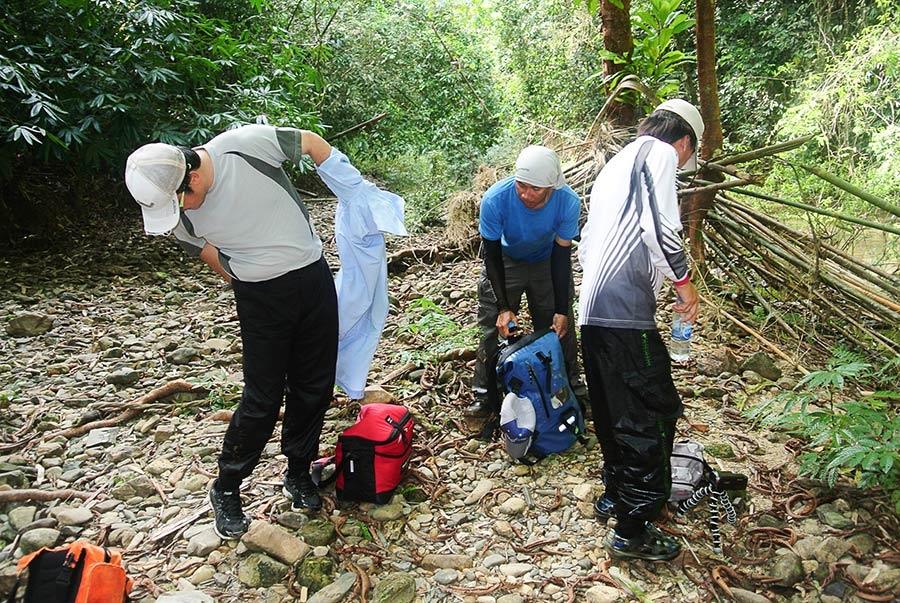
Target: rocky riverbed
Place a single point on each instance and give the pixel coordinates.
(89, 329)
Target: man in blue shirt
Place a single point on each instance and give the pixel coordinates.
(527, 223)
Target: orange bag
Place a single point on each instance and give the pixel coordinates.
(79, 572)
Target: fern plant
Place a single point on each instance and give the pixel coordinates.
(856, 437)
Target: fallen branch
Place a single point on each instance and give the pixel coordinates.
(8, 496)
(137, 407)
(358, 126)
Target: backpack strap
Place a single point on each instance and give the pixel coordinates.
(318, 468)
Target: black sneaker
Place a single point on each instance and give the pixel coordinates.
(302, 492)
(230, 522)
(652, 545)
(604, 507)
(480, 408)
(489, 430)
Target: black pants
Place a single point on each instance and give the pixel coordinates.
(535, 282)
(635, 406)
(289, 331)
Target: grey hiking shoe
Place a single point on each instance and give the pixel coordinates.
(652, 545)
(302, 492)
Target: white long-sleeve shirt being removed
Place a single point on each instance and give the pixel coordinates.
(364, 213)
(631, 243)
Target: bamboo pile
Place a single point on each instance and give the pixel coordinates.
(812, 292)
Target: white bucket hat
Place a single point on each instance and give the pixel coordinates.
(152, 174)
(517, 422)
(539, 166)
(691, 115)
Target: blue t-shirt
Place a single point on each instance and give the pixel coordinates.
(527, 235)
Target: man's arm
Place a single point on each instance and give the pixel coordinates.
(560, 276)
(210, 255)
(496, 274)
(315, 146)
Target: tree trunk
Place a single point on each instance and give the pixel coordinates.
(695, 207)
(617, 38)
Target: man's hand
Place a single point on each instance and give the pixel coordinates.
(210, 255)
(503, 320)
(689, 301)
(560, 325)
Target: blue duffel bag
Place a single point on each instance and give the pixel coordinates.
(534, 368)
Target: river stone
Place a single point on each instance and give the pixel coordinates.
(335, 592)
(276, 541)
(493, 560)
(515, 569)
(832, 549)
(142, 486)
(397, 587)
(717, 362)
(8, 577)
(887, 579)
(123, 376)
(746, 596)
(21, 517)
(806, 547)
(761, 364)
(863, 542)
(315, 573)
(318, 532)
(216, 344)
(292, 519)
(511, 598)
(788, 569)
(434, 561)
(38, 538)
(29, 324)
(72, 516)
(375, 394)
(185, 596)
(481, 489)
(202, 574)
(830, 516)
(259, 570)
(204, 543)
(183, 355)
(446, 576)
(584, 492)
(388, 512)
(513, 506)
(601, 593)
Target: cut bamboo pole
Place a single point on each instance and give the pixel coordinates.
(852, 189)
(774, 149)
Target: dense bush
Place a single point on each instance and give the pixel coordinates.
(85, 81)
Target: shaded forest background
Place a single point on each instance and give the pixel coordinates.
(456, 83)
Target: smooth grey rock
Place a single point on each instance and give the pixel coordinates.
(21, 517)
(72, 516)
(513, 506)
(276, 541)
(493, 560)
(788, 569)
(512, 598)
(123, 376)
(601, 593)
(29, 324)
(761, 364)
(336, 591)
(398, 587)
(204, 543)
(515, 569)
(806, 547)
(33, 540)
(387, 512)
(832, 549)
(480, 491)
(446, 576)
(434, 561)
(102, 436)
(717, 362)
(183, 355)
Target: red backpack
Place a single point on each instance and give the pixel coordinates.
(79, 572)
(372, 453)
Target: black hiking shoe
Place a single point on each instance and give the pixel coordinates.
(489, 430)
(479, 408)
(230, 522)
(302, 492)
(652, 545)
(604, 507)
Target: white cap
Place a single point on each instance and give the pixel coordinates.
(152, 174)
(539, 166)
(691, 115)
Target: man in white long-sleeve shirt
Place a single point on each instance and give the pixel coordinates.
(630, 244)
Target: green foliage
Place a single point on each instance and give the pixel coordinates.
(433, 332)
(654, 58)
(855, 438)
(851, 109)
(415, 63)
(86, 81)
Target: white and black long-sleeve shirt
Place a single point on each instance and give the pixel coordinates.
(629, 245)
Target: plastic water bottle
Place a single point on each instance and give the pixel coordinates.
(680, 344)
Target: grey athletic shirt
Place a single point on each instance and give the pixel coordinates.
(252, 213)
